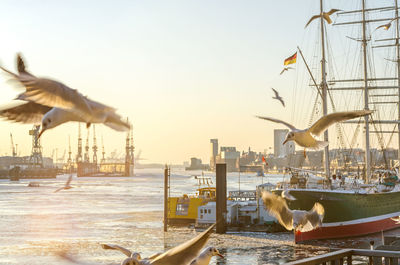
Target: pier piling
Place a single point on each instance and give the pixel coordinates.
(166, 178)
(221, 198)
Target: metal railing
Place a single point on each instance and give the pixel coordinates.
(345, 256)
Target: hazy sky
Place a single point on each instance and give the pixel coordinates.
(182, 71)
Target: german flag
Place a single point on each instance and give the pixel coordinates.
(292, 59)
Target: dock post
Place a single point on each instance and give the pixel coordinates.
(166, 178)
(221, 198)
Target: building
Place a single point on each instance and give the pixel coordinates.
(196, 164)
(214, 153)
(206, 213)
(281, 150)
(230, 157)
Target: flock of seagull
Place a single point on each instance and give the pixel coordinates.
(52, 103)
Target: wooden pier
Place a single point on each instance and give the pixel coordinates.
(345, 256)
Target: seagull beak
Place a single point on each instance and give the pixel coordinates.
(42, 131)
(284, 142)
(219, 254)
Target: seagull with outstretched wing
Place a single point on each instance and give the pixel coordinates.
(64, 103)
(67, 185)
(325, 15)
(277, 97)
(299, 220)
(305, 138)
(286, 69)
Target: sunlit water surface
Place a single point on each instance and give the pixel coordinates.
(35, 222)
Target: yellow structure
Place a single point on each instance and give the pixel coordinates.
(183, 210)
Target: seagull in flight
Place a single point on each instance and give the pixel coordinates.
(66, 186)
(325, 15)
(278, 97)
(299, 220)
(179, 255)
(386, 26)
(286, 69)
(53, 103)
(305, 138)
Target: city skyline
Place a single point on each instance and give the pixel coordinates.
(183, 72)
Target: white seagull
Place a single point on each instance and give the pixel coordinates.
(325, 15)
(55, 103)
(66, 186)
(299, 220)
(179, 255)
(278, 97)
(305, 138)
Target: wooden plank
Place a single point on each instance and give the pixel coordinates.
(323, 258)
(376, 253)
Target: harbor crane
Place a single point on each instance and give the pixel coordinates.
(13, 147)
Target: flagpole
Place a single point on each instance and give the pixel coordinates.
(309, 71)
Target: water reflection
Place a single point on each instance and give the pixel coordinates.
(36, 222)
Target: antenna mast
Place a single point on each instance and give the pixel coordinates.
(324, 89)
(86, 157)
(103, 159)
(94, 147)
(79, 155)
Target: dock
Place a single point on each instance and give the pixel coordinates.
(345, 256)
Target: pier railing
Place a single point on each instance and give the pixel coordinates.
(345, 256)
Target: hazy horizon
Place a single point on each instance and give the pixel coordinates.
(182, 71)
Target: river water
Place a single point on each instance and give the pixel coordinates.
(36, 223)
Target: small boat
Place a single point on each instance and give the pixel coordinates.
(183, 210)
(34, 184)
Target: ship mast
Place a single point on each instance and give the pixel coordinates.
(366, 107)
(398, 73)
(324, 89)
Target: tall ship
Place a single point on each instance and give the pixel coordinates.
(362, 201)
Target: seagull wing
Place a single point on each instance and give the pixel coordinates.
(115, 122)
(186, 252)
(281, 100)
(68, 181)
(21, 66)
(323, 123)
(311, 19)
(57, 190)
(54, 94)
(116, 247)
(381, 26)
(29, 112)
(333, 10)
(277, 207)
(314, 218)
(276, 92)
(327, 18)
(277, 121)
